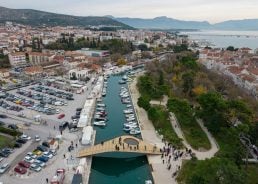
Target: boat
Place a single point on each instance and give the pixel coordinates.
(100, 109)
(135, 131)
(128, 111)
(101, 113)
(99, 100)
(129, 105)
(122, 82)
(99, 123)
(134, 125)
(103, 94)
(101, 105)
(130, 126)
(130, 116)
(127, 129)
(148, 182)
(100, 118)
(124, 77)
(130, 119)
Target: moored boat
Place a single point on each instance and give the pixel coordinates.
(99, 123)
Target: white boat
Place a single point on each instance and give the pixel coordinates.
(130, 116)
(135, 131)
(148, 182)
(128, 111)
(124, 77)
(101, 113)
(99, 123)
(103, 94)
(101, 105)
(100, 109)
(99, 100)
(130, 126)
(130, 119)
(129, 105)
(122, 82)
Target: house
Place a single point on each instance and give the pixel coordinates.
(79, 74)
(4, 73)
(33, 71)
(96, 68)
(94, 53)
(17, 59)
(53, 144)
(38, 58)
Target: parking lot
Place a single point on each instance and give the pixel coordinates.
(40, 116)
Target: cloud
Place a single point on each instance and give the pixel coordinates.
(213, 11)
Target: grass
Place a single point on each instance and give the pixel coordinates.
(160, 119)
(193, 133)
(187, 167)
(252, 171)
(5, 142)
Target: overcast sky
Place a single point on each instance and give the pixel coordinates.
(210, 10)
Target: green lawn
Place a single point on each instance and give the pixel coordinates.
(193, 133)
(5, 141)
(252, 173)
(160, 119)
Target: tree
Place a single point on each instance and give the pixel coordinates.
(144, 102)
(143, 47)
(199, 90)
(188, 80)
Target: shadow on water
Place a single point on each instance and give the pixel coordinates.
(124, 165)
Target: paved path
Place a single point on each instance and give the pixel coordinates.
(160, 173)
(201, 155)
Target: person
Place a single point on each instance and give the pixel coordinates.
(64, 155)
(47, 180)
(76, 145)
(54, 127)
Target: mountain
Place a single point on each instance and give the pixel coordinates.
(170, 23)
(38, 18)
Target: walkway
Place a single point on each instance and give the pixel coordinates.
(160, 173)
(201, 155)
(121, 144)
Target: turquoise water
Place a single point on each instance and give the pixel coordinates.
(124, 168)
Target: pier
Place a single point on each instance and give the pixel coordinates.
(126, 143)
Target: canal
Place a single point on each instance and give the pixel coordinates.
(117, 168)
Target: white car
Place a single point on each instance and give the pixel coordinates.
(4, 168)
(37, 138)
(29, 159)
(35, 167)
(24, 136)
(30, 154)
(48, 154)
(40, 163)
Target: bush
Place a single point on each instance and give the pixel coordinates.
(10, 131)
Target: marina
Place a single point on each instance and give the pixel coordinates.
(113, 167)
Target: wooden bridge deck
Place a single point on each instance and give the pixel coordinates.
(120, 144)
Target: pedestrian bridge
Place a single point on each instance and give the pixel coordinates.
(128, 144)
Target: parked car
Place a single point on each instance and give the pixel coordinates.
(37, 138)
(35, 167)
(4, 168)
(60, 116)
(30, 154)
(4, 154)
(24, 164)
(22, 141)
(29, 159)
(3, 116)
(7, 150)
(42, 148)
(40, 163)
(25, 137)
(13, 126)
(46, 144)
(43, 159)
(63, 125)
(48, 154)
(17, 145)
(20, 170)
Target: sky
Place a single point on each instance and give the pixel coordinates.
(200, 10)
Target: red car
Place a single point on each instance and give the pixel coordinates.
(20, 170)
(24, 164)
(60, 116)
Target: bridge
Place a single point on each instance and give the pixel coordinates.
(127, 144)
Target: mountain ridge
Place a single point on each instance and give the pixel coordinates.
(38, 18)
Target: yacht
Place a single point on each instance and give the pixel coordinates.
(122, 82)
(148, 182)
(130, 119)
(129, 105)
(100, 109)
(101, 105)
(135, 131)
(99, 123)
(128, 111)
(124, 77)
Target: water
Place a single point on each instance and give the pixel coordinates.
(124, 168)
(223, 39)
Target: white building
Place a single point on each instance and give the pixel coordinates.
(79, 74)
(17, 58)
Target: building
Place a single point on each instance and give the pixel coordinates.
(94, 53)
(17, 59)
(79, 74)
(38, 58)
(33, 71)
(4, 73)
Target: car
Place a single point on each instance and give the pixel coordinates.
(63, 125)
(22, 141)
(4, 168)
(48, 154)
(3, 116)
(40, 163)
(17, 145)
(37, 152)
(42, 148)
(1, 159)
(7, 150)
(20, 170)
(73, 130)
(24, 164)
(78, 113)
(46, 144)
(37, 138)
(53, 152)
(26, 137)
(79, 109)
(30, 154)
(35, 167)
(4, 154)
(43, 158)
(29, 159)
(60, 116)
(13, 126)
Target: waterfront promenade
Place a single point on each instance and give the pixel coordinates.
(160, 173)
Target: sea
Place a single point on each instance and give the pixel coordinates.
(223, 39)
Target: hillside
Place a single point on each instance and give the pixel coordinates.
(38, 18)
(170, 23)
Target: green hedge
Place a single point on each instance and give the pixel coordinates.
(10, 131)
